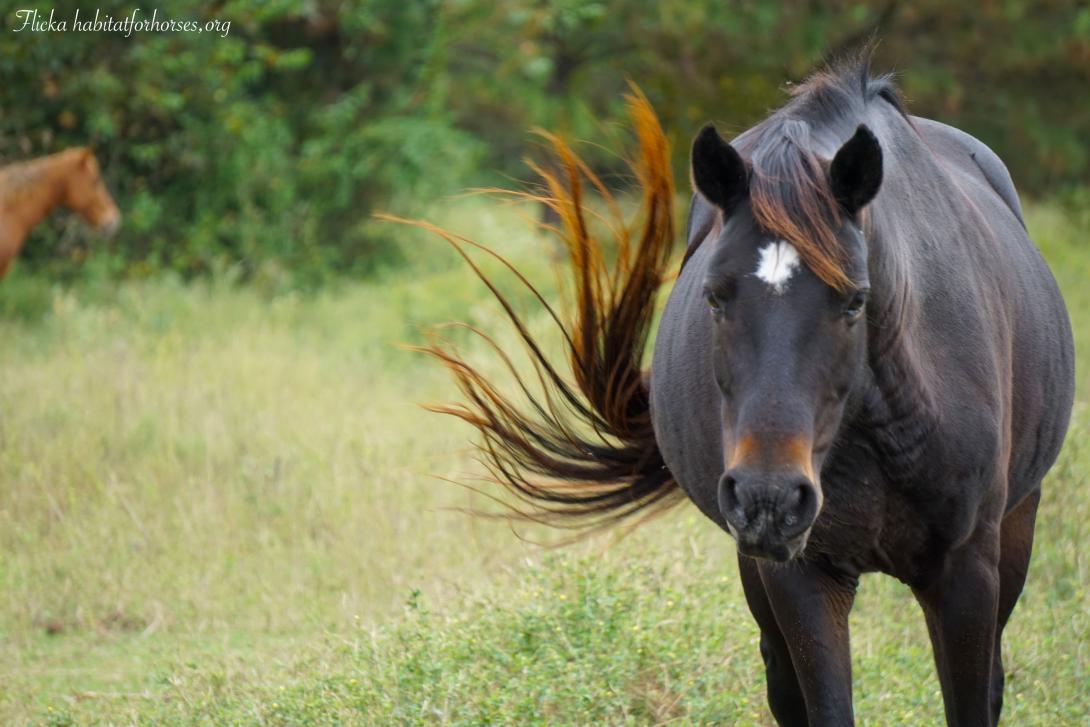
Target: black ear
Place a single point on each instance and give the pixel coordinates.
(718, 171)
(856, 171)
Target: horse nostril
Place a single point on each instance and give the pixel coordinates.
(799, 508)
(730, 506)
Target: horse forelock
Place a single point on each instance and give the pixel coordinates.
(790, 196)
(790, 199)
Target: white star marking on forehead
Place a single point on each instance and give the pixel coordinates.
(778, 263)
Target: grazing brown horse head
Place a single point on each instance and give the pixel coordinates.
(29, 191)
(85, 192)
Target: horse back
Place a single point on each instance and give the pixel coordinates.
(973, 157)
(1033, 328)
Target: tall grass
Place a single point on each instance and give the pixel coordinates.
(219, 505)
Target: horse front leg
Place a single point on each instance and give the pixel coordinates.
(961, 607)
(782, 685)
(811, 605)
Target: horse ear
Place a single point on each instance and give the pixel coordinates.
(719, 173)
(856, 172)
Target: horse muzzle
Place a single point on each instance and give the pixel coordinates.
(109, 226)
(769, 513)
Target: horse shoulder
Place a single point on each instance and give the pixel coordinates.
(11, 232)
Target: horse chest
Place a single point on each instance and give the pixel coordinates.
(9, 240)
(903, 529)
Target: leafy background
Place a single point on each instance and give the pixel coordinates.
(265, 152)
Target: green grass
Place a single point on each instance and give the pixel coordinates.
(219, 506)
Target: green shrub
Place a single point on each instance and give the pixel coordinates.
(25, 298)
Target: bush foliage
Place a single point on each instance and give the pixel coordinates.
(267, 150)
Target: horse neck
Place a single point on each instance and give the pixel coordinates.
(900, 407)
(34, 189)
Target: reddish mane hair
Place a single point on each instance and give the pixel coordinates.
(789, 191)
(790, 198)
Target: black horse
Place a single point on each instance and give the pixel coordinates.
(864, 365)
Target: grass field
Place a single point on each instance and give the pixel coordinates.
(219, 505)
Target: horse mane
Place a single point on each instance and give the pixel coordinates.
(19, 179)
(789, 192)
(16, 175)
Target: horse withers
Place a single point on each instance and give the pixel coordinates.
(864, 366)
(30, 190)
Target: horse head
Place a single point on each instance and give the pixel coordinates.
(786, 289)
(85, 192)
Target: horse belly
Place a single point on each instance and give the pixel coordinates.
(1043, 379)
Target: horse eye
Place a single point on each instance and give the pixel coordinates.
(719, 293)
(713, 302)
(855, 305)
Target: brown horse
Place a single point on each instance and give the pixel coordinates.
(30, 190)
